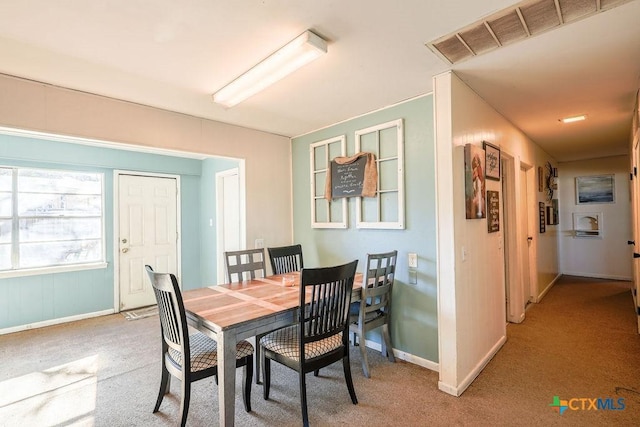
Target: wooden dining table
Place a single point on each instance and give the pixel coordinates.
(232, 312)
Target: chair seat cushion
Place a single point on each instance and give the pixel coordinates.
(285, 341)
(204, 352)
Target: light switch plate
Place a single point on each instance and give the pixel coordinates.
(259, 243)
(413, 260)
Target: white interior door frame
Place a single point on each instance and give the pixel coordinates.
(532, 217)
(513, 269)
(220, 201)
(635, 211)
(116, 226)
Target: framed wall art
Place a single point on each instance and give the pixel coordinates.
(474, 186)
(595, 189)
(493, 211)
(492, 161)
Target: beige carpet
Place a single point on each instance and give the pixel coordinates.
(581, 341)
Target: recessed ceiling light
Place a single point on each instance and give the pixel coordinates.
(573, 119)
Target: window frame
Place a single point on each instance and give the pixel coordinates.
(400, 223)
(15, 219)
(342, 140)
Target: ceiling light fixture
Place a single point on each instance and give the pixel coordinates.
(298, 52)
(573, 119)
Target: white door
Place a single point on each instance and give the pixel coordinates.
(229, 217)
(636, 223)
(505, 210)
(526, 240)
(148, 234)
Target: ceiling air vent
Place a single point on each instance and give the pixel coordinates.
(523, 20)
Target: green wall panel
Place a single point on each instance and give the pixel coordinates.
(414, 328)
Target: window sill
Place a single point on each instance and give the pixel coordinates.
(52, 270)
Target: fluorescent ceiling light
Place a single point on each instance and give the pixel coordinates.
(300, 51)
(573, 119)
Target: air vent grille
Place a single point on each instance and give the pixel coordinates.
(479, 39)
(574, 9)
(525, 19)
(540, 16)
(508, 28)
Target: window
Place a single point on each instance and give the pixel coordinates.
(325, 213)
(50, 218)
(386, 210)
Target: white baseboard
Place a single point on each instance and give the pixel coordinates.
(548, 288)
(52, 322)
(407, 357)
(457, 390)
(598, 276)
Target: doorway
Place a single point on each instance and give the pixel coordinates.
(230, 217)
(147, 218)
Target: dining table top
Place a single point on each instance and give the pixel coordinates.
(231, 304)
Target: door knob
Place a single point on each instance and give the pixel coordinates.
(125, 250)
(636, 255)
(631, 242)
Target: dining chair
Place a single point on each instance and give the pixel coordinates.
(245, 264)
(321, 335)
(285, 259)
(374, 308)
(189, 357)
(242, 265)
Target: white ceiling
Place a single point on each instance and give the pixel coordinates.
(174, 55)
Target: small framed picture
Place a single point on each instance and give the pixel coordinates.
(491, 161)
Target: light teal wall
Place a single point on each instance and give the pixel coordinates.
(414, 317)
(208, 196)
(25, 300)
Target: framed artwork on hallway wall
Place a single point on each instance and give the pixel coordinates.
(595, 189)
(474, 182)
(492, 161)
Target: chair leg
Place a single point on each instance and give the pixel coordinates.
(165, 384)
(363, 352)
(258, 359)
(184, 401)
(246, 385)
(303, 399)
(266, 376)
(347, 376)
(387, 340)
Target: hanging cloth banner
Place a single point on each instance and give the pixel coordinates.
(354, 176)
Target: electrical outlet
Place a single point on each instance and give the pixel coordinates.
(413, 260)
(413, 277)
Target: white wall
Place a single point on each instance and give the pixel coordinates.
(607, 257)
(471, 291)
(40, 107)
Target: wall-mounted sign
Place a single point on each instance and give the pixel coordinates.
(353, 176)
(493, 211)
(347, 179)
